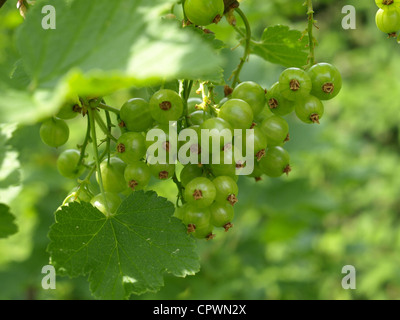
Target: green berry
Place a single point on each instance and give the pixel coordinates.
(252, 93)
(112, 174)
(198, 117)
(131, 146)
(190, 172)
(277, 103)
(237, 113)
(220, 127)
(137, 175)
(227, 190)
(107, 203)
(385, 4)
(165, 106)
(67, 164)
(276, 130)
(204, 12)
(162, 171)
(136, 116)
(326, 81)
(388, 19)
(54, 132)
(69, 111)
(276, 162)
(294, 83)
(201, 192)
(309, 109)
(196, 217)
(192, 103)
(222, 215)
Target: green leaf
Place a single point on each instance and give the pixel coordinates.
(98, 47)
(12, 179)
(125, 253)
(7, 225)
(282, 46)
(9, 164)
(209, 37)
(10, 176)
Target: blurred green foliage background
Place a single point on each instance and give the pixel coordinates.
(292, 236)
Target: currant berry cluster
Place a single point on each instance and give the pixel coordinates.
(208, 191)
(388, 16)
(246, 135)
(302, 91)
(54, 132)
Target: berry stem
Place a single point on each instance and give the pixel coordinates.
(103, 126)
(106, 107)
(237, 71)
(109, 127)
(91, 115)
(186, 90)
(180, 190)
(311, 42)
(86, 181)
(204, 97)
(211, 94)
(185, 18)
(189, 89)
(85, 144)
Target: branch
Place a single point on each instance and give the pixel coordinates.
(311, 43)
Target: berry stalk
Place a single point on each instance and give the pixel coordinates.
(106, 107)
(109, 128)
(103, 126)
(85, 144)
(247, 48)
(91, 115)
(180, 190)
